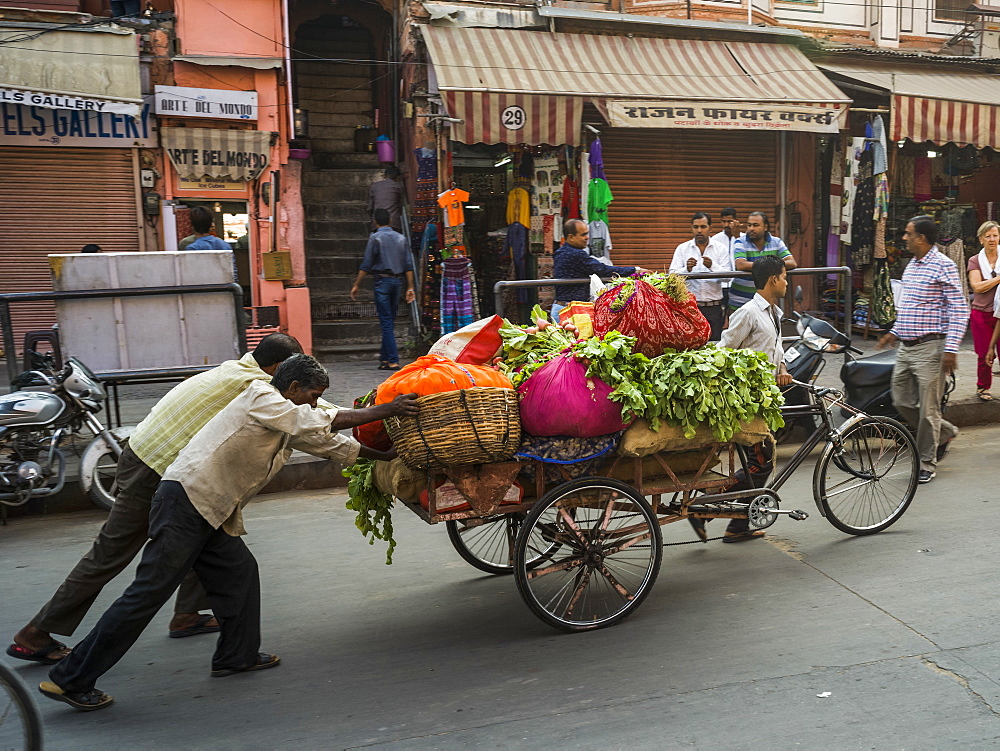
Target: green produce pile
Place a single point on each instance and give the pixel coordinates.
(373, 507)
(713, 385)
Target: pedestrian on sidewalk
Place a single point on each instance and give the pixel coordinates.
(758, 242)
(196, 521)
(388, 194)
(930, 322)
(756, 326)
(388, 258)
(984, 276)
(699, 255)
(151, 448)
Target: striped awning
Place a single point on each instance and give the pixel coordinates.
(216, 152)
(935, 104)
(494, 78)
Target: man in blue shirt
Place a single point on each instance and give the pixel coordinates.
(573, 261)
(202, 221)
(757, 243)
(387, 256)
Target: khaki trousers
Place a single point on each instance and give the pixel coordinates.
(917, 387)
(118, 543)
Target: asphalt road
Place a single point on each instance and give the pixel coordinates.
(812, 639)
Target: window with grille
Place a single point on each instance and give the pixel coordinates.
(952, 10)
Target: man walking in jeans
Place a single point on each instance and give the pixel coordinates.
(930, 323)
(387, 256)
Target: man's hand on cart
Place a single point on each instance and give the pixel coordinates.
(403, 405)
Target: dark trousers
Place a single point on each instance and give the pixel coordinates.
(716, 317)
(387, 289)
(121, 538)
(179, 539)
(760, 458)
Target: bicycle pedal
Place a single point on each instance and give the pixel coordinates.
(798, 515)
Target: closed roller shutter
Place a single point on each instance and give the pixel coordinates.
(55, 200)
(659, 178)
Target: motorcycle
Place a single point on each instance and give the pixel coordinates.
(38, 419)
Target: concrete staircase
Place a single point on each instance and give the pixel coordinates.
(337, 229)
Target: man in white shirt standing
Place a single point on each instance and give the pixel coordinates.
(196, 522)
(727, 238)
(699, 255)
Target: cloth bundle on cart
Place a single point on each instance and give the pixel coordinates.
(641, 440)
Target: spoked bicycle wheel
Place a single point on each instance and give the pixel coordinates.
(20, 725)
(489, 546)
(867, 484)
(606, 556)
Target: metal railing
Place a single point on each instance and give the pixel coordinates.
(7, 299)
(845, 271)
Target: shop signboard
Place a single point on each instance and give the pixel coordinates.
(29, 125)
(725, 116)
(75, 102)
(191, 183)
(219, 104)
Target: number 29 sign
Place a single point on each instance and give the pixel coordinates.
(513, 117)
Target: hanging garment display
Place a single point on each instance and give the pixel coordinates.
(458, 294)
(425, 195)
(453, 202)
(879, 249)
(584, 183)
(863, 216)
(519, 207)
(880, 162)
(922, 178)
(430, 271)
(536, 236)
(904, 175)
(570, 199)
(852, 160)
(599, 197)
(548, 185)
(883, 305)
(836, 183)
(955, 250)
(600, 241)
(596, 160)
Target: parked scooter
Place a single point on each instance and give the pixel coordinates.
(38, 419)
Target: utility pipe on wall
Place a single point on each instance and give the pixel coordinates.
(287, 44)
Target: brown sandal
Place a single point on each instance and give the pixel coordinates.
(984, 395)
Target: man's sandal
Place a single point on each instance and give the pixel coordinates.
(85, 701)
(264, 661)
(984, 395)
(43, 655)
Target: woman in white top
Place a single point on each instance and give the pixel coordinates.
(984, 276)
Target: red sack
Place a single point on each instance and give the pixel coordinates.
(371, 434)
(559, 399)
(478, 343)
(636, 308)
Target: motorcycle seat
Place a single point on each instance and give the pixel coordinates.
(869, 371)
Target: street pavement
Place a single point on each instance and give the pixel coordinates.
(810, 639)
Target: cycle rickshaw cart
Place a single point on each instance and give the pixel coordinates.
(586, 552)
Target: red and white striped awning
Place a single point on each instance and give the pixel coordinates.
(516, 86)
(936, 104)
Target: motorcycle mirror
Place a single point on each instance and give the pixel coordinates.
(798, 293)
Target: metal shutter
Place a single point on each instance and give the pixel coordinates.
(56, 200)
(659, 178)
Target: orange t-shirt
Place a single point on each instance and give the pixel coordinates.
(451, 201)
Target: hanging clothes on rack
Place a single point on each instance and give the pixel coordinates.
(425, 196)
(458, 294)
(863, 217)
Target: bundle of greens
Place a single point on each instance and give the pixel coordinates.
(373, 507)
(671, 285)
(526, 349)
(714, 385)
(611, 359)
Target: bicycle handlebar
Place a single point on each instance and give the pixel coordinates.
(818, 391)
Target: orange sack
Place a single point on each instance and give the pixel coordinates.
(433, 374)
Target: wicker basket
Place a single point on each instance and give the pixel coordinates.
(471, 426)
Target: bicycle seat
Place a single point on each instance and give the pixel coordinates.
(869, 371)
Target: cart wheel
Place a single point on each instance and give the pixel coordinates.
(489, 546)
(867, 484)
(606, 558)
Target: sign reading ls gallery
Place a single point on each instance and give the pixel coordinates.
(184, 101)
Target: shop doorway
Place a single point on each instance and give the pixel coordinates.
(232, 224)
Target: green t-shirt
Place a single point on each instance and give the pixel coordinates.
(598, 199)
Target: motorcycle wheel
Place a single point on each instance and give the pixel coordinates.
(98, 467)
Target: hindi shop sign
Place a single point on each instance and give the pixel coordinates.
(222, 104)
(725, 116)
(23, 125)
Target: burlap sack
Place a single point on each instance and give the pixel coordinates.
(398, 480)
(680, 462)
(640, 440)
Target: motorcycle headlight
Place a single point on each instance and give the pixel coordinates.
(815, 342)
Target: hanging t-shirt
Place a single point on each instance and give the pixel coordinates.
(570, 199)
(519, 207)
(451, 201)
(598, 199)
(600, 241)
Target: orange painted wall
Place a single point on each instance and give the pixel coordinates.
(250, 28)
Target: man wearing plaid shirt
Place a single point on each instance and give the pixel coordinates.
(151, 448)
(930, 324)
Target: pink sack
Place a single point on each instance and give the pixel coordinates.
(559, 399)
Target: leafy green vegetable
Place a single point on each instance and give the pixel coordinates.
(714, 385)
(672, 285)
(373, 507)
(526, 349)
(611, 359)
